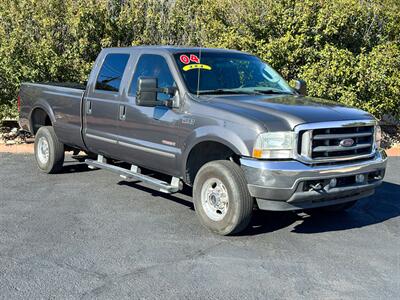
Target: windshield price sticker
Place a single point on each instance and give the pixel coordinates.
(186, 59)
(196, 66)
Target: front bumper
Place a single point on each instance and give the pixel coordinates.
(285, 185)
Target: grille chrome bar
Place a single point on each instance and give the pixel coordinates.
(339, 148)
(340, 136)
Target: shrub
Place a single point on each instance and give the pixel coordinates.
(347, 50)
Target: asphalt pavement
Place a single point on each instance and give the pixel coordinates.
(90, 234)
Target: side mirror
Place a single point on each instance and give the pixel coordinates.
(301, 87)
(147, 89)
(146, 94)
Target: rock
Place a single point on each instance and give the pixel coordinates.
(13, 133)
(11, 142)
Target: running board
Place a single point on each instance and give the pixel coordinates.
(134, 173)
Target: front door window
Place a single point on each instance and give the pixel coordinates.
(150, 65)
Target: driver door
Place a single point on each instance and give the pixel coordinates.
(149, 136)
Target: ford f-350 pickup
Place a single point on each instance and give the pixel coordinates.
(221, 121)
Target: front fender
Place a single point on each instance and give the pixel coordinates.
(214, 134)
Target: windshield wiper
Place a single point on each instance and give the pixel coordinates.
(272, 91)
(246, 92)
(227, 92)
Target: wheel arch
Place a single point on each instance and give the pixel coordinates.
(213, 144)
(41, 115)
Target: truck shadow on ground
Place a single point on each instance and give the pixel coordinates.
(177, 198)
(382, 206)
(72, 166)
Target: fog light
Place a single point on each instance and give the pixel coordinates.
(332, 183)
(360, 178)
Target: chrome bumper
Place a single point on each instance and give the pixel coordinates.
(283, 185)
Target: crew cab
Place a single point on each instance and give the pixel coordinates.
(221, 121)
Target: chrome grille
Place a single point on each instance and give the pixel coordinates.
(351, 141)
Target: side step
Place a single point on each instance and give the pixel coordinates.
(134, 173)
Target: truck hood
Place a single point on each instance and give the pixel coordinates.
(277, 112)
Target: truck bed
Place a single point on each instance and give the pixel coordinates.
(61, 102)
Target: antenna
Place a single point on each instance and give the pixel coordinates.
(198, 74)
(200, 42)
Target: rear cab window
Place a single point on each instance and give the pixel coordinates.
(111, 72)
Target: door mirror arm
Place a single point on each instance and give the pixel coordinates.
(167, 90)
(173, 102)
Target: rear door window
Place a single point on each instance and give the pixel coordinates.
(151, 65)
(111, 72)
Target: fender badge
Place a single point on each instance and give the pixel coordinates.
(170, 143)
(188, 121)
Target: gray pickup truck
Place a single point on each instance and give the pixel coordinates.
(221, 121)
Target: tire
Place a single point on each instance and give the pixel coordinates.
(335, 208)
(49, 151)
(222, 182)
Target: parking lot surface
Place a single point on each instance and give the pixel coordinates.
(89, 234)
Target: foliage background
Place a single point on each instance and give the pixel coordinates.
(346, 50)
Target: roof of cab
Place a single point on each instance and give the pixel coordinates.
(175, 49)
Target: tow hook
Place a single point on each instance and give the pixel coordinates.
(316, 187)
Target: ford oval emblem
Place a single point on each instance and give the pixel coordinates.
(346, 143)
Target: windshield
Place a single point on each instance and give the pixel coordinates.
(224, 72)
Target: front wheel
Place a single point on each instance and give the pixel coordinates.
(49, 151)
(221, 197)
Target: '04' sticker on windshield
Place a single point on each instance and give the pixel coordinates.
(185, 59)
(196, 66)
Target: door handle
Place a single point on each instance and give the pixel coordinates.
(122, 112)
(88, 107)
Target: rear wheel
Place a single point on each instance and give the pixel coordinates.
(221, 197)
(49, 151)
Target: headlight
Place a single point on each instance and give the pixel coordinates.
(275, 145)
(378, 136)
